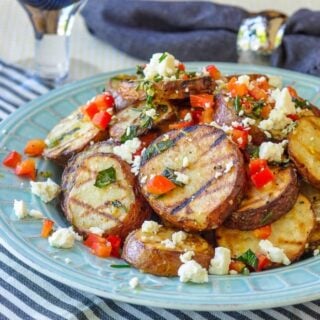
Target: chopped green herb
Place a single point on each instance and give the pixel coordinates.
(118, 204)
(267, 218)
(146, 121)
(129, 134)
(163, 56)
(139, 70)
(253, 151)
(237, 104)
(45, 174)
(120, 266)
(105, 177)
(169, 173)
(249, 258)
(191, 74)
(245, 271)
(157, 148)
(157, 78)
(55, 142)
(301, 103)
(256, 110)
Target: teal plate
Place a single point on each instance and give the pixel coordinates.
(299, 282)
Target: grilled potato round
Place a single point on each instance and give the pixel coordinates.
(146, 252)
(213, 166)
(265, 205)
(70, 136)
(304, 149)
(290, 232)
(116, 208)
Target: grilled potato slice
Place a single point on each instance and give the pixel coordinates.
(290, 232)
(70, 136)
(214, 169)
(313, 195)
(136, 117)
(146, 252)
(304, 149)
(116, 208)
(262, 206)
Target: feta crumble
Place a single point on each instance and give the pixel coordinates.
(180, 177)
(134, 282)
(150, 226)
(272, 151)
(20, 209)
(316, 252)
(35, 214)
(228, 167)
(62, 238)
(151, 113)
(162, 64)
(136, 165)
(127, 149)
(185, 162)
(96, 230)
(178, 237)
(244, 79)
(76, 235)
(187, 256)
(274, 254)
(188, 117)
(219, 264)
(168, 244)
(46, 190)
(192, 271)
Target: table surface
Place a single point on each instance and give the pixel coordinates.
(16, 45)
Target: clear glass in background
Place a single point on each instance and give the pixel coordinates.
(52, 22)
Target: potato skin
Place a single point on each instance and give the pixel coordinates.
(275, 200)
(149, 256)
(290, 232)
(304, 149)
(224, 112)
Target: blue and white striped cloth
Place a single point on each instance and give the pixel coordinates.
(27, 294)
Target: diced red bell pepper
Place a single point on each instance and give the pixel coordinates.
(47, 227)
(101, 119)
(180, 125)
(257, 165)
(258, 94)
(262, 84)
(181, 67)
(293, 117)
(263, 262)
(240, 137)
(92, 238)
(213, 72)
(196, 115)
(91, 109)
(34, 147)
(261, 178)
(159, 185)
(115, 244)
(263, 232)
(237, 265)
(265, 111)
(12, 159)
(292, 92)
(109, 100)
(102, 250)
(27, 169)
(237, 89)
(203, 100)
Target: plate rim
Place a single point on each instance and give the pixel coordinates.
(117, 296)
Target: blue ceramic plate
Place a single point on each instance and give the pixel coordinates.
(296, 283)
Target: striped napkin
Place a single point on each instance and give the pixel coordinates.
(27, 294)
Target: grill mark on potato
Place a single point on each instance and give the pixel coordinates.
(218, 140)
(90, 209)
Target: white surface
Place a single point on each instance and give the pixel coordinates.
(16, 36)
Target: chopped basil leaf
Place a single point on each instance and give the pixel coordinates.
(253, 151)
(169, 173)
(157, 148)
(257, 106)
(120, 266)
(129, 134)
(267, 218)
(163, 56)
(139, 70)
(301, 103)
(157, 78)
(146, 121)
(45, 174)
(237, 104)
(105, 177)
(191, 74)
(118, 204)
(249, 258)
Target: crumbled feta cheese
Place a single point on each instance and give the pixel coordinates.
(178, 237)
(35, 214)
(67, 260)
(241, 113)
(20, 209)
(192, 271)
(272, 151)
(229, 165)
(236, 124)
(181, 177)
(62, 238)
(188, 117)
(205, 72)
(151, 113)
(96, 230)
(233, 272)
(218, 174)
(316, 252)
(164, 67)
(244, 79)
(143, 179)
(185, 162)
(168, 243)
(76, 235)
(187, 256)
(275, 81)
(136, 165)
(125, 150)
(46, 190)
(134, 282)
(219, 264)
(274, 254)
(247, 122)
(261, 79)
(150, 226)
